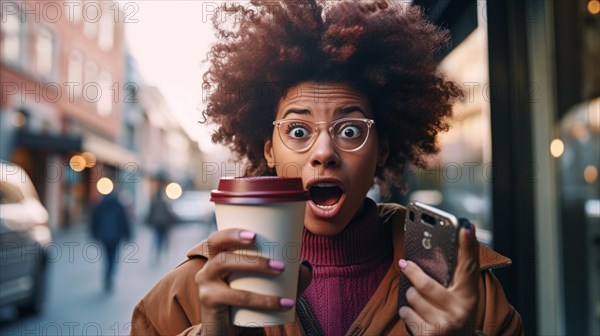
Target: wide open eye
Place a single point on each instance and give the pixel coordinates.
(298, 132)
(351, 130)
(350, 134)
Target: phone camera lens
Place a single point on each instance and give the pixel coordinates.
(425, 218)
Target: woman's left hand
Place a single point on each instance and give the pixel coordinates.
(437, 310)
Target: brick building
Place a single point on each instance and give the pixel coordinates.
(62, 76)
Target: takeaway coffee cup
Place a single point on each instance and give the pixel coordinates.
(273, 207)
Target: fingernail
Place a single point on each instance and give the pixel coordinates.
(402, 263)
(401, 311)
(276, 264)
(307, 264)
(286, 303)
(247, 235)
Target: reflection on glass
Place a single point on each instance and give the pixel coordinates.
(461, 174)
(579, 129)
(579, 164)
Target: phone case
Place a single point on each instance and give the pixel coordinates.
(432, 247)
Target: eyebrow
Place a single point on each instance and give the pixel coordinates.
(343, 111)
(296, 111)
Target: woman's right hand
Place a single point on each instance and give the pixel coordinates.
(216, 296)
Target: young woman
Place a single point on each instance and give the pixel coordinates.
(344, 95)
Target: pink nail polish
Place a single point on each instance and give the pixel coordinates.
(402, 263)
(276, 264)
(286, 303)
(247, 235)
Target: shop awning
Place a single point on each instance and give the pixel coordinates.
(49, 142)
(109, 152)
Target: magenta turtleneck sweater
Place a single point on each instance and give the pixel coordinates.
(347, 268)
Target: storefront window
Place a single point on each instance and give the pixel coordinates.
(579, 132)
(458, 180)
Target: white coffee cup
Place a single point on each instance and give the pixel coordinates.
(273, 208)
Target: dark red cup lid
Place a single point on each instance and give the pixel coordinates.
(259, 190)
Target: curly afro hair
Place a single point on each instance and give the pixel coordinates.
(385, 50)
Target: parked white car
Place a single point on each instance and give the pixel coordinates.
(24, 234)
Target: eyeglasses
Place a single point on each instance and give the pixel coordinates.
(348, 134)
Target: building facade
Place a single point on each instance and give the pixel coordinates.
(68, 109)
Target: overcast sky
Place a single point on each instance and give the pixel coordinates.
(169, 39)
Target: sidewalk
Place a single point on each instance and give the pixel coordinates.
(76, 302)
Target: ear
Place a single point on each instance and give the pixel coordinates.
(383, 152)
(268, 153)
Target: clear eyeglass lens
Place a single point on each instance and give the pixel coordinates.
(296, 134)
(348, 134)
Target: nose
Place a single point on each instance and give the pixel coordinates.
(324, 153)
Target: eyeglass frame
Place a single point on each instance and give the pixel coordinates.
(315, 136)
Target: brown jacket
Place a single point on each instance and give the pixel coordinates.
(172, 306)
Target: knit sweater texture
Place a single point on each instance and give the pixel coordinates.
(347, 268)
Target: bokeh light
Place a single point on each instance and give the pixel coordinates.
(19, 119)
(173, 191)
(90, 159)
(77, 163)
(593, 7)
(105, 186)
(557, 148)
(590, 174)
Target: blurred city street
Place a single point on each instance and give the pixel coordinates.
(102, 120)
(76, 303)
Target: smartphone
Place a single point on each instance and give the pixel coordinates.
(430, 241)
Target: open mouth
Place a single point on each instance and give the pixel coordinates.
(325, 195)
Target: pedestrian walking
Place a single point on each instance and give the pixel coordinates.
(160, 219)
(110, 226)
